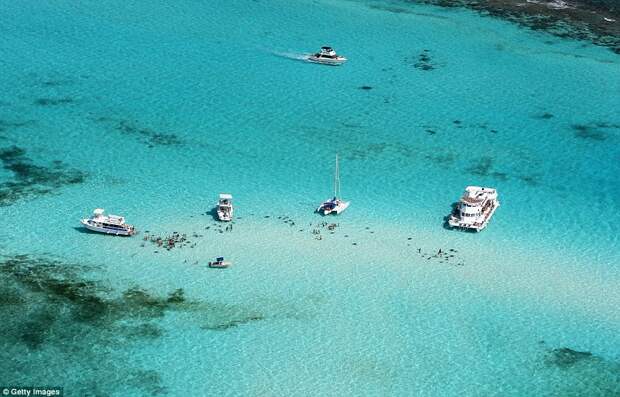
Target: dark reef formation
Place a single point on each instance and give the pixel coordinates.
(483, 167)
(581, 373)
(144, 135)
(594, 21)
(424, 61)
(598, 131)
(6, 125)
(54, 313)
(53, 101)
(565, 357)
(30, 180)
(544, 116)
(147, 136)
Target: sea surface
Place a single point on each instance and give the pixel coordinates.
(151, 109)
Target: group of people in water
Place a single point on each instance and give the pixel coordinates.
(169, 242)
(317, 231)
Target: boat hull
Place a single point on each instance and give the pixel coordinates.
(100, 229)
(220, 265)
(224, 216)
(337, 209)
(477, 226)
(324, 61)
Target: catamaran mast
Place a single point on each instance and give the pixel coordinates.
(337, 179)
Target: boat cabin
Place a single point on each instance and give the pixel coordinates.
(110, 224)
(475, 208)
(113, 220)
(327, 52)
(225, 199)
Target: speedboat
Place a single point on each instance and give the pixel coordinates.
(327, 56)
(220, 263)
(475, 208)
(225, 208)
(334, 205)
(108, 224)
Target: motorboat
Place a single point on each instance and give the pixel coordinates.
(327, 56)
(225, 208)
(475, 208)
(334, 205)
(108, 224)
(220, 263)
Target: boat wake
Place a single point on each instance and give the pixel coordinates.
(295, 56)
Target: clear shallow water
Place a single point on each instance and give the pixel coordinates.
(161, 107)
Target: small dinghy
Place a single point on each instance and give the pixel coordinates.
(220, 263)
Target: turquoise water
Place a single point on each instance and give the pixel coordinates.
(153, 109)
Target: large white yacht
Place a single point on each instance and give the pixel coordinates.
(108, 224)
(225, 208)
(475, 208)
(334, 205)
(327, 56)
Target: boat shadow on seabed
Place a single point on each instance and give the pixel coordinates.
(213, 212)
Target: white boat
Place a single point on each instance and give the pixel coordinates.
(327, 56)
(475, 208)
(334, 205)
(225, 208)
(108, 224)
(220, 263)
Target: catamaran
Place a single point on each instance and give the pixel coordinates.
(334, 205)
(225, 208)
(475, 208)
(108, 224)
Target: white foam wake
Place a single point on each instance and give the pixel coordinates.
(291, 55)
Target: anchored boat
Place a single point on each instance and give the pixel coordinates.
(327, 56)
(334, 205)
(220, 263)
(475, 208)
(108, 224)
(225, 208)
